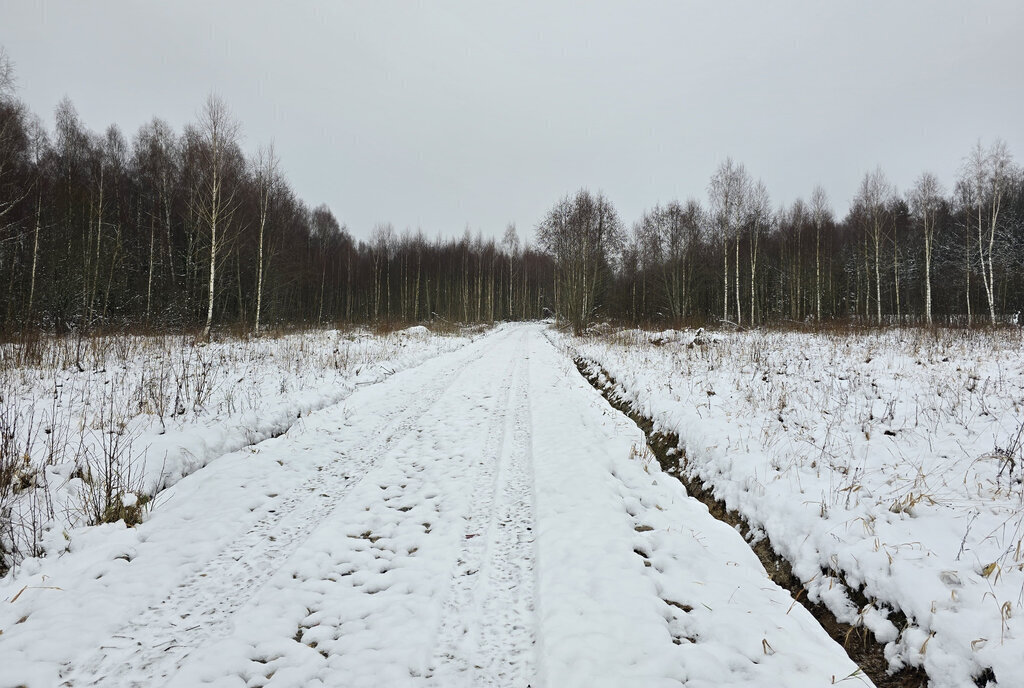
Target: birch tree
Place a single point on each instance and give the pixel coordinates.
(988, 174)
(821, 214)
(39, 145)
(727, 192)
(925, 201)
(758, 213)
(267, 177)
(219, 133)
(873, 197)
(510, 244)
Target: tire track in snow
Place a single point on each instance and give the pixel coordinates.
(487, 633)
(367, 590)
(200, 609)
(508, 611)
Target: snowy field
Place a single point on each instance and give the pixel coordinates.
(107, 420)
(481, 518)
(889, 462)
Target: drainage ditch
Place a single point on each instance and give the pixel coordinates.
(858, 641)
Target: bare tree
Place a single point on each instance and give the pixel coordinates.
(793, 222)
(965, 203)
(759, 212)
(12, 141)
(925, 201)
(382, 241)
(267, 179)
(156, 158)
(665, 238)
(39, 143)
(727, 192)
(326, 231)
(17, 182)
(583, 234)
(6, 74)
(873, 197)
(219, 131)
(510, 243)
(821, 213)
(988, 172)
(115, 156)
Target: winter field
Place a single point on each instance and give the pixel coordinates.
(350, 509)
(481, 518)
(91, 425)
(888, 462)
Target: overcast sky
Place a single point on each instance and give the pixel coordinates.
(445, 115)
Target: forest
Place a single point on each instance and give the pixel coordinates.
(165, 229)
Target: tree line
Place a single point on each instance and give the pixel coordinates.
(183, 229)
(173, 229)
(922, 256)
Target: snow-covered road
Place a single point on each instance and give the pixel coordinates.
(483, 519)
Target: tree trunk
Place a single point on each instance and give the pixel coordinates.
(35, 254)
(896, 271)
(928, 274)
(214, 212)
(753, 272)
(878, 280)
(725, 275)
(149, 277)
(817, 272)
(739, 309)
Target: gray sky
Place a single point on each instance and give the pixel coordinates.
(444, 115)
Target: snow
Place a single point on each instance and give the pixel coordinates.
(483, 518)
(176, 406)
(638, 584)
(878, 457)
